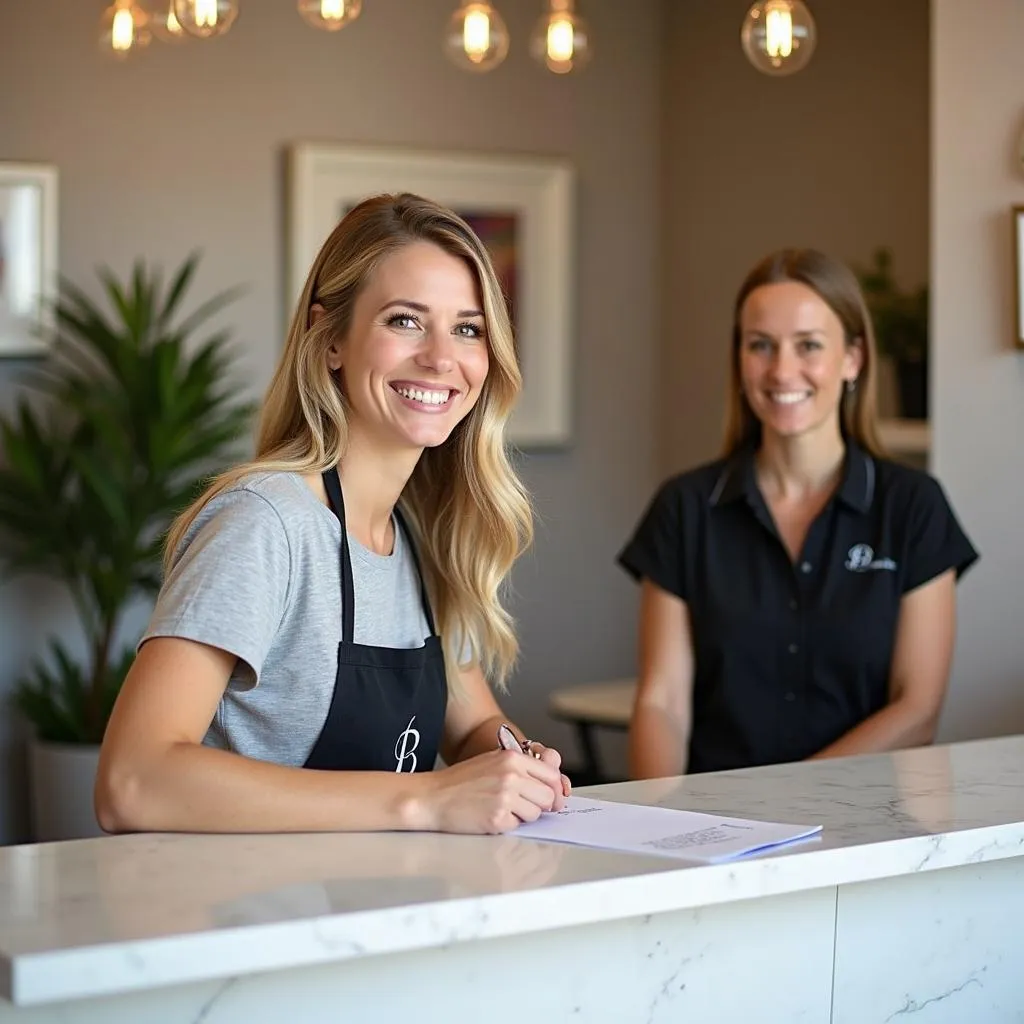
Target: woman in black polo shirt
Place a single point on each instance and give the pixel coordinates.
(798, 594)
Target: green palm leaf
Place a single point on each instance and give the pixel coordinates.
(137, 411)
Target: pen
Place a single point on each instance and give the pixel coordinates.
(507, 741)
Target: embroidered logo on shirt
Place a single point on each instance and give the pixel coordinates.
(861, 558)
(405, 747)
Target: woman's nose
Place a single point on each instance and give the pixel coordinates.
(784, 362)
(437, 352)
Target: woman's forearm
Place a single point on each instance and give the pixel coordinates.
(483, 738)
(193, 788)
(896, 726)
(657, 744)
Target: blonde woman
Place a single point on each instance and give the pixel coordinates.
(331, 611)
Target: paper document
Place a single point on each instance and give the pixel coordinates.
(635, 828)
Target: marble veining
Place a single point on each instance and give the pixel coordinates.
(913, 1006)
(125, 913)
(941, 947)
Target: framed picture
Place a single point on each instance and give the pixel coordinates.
(28, 257)
(1018, 274)
(523, 210)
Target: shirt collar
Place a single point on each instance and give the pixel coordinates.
(856, 489)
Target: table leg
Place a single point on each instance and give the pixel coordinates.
(589, 749)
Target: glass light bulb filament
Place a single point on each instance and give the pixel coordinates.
(476, 34)
(122, 32)
(778, 24)
(560, 39)
(206, 13)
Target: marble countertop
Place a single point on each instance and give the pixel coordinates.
(100, 916)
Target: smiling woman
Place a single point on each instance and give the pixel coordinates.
(797, 594)
(412, 369)
(322, 601)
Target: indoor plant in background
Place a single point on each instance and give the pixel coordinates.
(900, 319)
(132, 412)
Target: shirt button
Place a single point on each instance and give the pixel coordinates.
(793, 648)
(790, 696)
(793, 605)
(805, 567)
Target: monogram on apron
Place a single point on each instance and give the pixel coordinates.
(388, 706)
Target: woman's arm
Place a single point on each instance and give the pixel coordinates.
(471, 728)
(918, 677)
(659, 731)
(155, 775)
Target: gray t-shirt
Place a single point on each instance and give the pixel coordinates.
(258, 575)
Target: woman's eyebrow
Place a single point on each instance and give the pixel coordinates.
(421, 308)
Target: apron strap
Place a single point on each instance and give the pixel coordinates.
(348, 596)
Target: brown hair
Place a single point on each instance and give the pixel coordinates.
(836, 285)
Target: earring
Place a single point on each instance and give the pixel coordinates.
(851, 386)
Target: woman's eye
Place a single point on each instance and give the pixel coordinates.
(758, 345)
(810, 345)
(403, 320)
(469, 330)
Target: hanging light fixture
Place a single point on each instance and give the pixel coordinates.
(329, 15)
(206, 18)
(123, 29)
(476, 38)
(779, 36)
(166, 26)
(560, 38)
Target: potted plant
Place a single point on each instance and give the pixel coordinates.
(900, 319)
(132, 413)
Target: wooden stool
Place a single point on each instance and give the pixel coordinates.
(607, 705)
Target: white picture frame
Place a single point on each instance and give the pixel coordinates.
(526, 203)
(1018, 275)
(28, 258)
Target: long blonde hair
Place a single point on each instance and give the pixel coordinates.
(836, 285)
(468, 511)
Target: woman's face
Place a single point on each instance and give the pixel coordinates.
(793, 358)
(416, 355)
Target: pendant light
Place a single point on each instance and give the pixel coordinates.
(165, 25)
(123, 29)
(329, 15)
(206, 18)
(476, 38)
(560, 40)
(779, 36)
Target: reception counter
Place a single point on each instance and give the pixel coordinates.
(907, 908)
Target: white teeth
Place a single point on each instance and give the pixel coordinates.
(425, 397)
(789, 397)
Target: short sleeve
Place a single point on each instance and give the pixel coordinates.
(228, 587)
(936, 540)
(656, 549)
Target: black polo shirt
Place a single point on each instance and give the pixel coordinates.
(791, 655)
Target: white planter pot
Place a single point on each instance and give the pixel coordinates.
(61, 777)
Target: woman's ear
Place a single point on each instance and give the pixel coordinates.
(854, 361)
(316, 311)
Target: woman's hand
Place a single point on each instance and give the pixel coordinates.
(552, 757)
(493, 792)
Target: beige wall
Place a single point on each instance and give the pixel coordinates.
(835, 157)
(184, 149)
(978, 378)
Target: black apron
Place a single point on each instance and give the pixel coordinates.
(388, 706)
